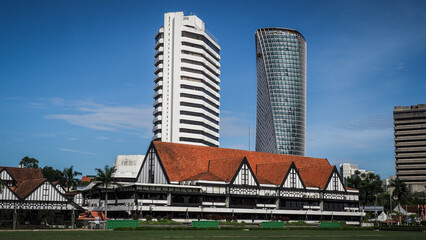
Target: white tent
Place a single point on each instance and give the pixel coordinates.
(382, 217)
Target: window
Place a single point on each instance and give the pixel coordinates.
(244, 175)
(151, 167)
(292, 178)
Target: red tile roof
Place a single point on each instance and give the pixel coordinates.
(273, 173)
(184, 162)
(28, 186)
(21, 174)
(207, 176)
(315, 176)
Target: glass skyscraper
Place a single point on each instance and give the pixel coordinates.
(281, 91)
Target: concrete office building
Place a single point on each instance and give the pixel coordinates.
(410, 145)
(281, 91)
(348, 170)
(186, 83)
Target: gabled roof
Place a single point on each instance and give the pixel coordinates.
(28, 186)
(207, 176)
(273, 173)
(21, 174)
(183, 161)
(225, 168)
(27, 180)
(316, 176)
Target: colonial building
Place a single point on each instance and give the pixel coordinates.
(27, 198)
(195, 182)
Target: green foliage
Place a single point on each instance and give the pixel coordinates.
(148, 218)
(52, 175)
(69, 179)
(28, 162)
(369, 186)
(104, 177)
(400, 191)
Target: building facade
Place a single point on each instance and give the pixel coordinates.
(186, 182)
(27, 198)
(281, 91)
(410, 145)
(186, 99)
(347, 170)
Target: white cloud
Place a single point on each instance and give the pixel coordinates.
(104, 117)
(74, 151)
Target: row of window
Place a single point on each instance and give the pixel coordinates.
(187, 104)
(199, 72)
(200, 132)
(195, 140)
(200, 64)
(201, 37)
(200, 47)
(187, 95)
(200, 89)
(184, 121)
(200, 80)
(196, 114)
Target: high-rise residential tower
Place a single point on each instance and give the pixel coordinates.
(186, 83)
(410, 145)
(281, 91)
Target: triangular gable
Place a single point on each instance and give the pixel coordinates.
(46, 192)
(335, 182)
(7, 194)
(152, 169)
(293, 179)
(245, 175)
(5, 176)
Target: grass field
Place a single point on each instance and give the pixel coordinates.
(206, 234)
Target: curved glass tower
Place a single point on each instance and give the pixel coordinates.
(281, 91)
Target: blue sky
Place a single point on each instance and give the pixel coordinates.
(76, 77)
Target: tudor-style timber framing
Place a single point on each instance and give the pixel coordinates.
(32, 199)
(195, 182)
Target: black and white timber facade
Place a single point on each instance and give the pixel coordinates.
(186, 182)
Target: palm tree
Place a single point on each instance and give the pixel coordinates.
(69, 177)
(105, 178)
(400, 191)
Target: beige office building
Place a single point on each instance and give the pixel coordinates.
(410, 145)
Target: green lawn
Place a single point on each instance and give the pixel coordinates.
(206, 234)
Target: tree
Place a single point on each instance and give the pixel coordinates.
(400, 191)
(53, 175)
(105, 179)
(69, 179)
(28, 162)
(369, 186)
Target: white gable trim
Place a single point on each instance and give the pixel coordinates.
(335, 183)
(46, 192)
(293, 180)
(60, 188)
(8, 195)
(245, 176)
(152, 169)
(5, 176)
